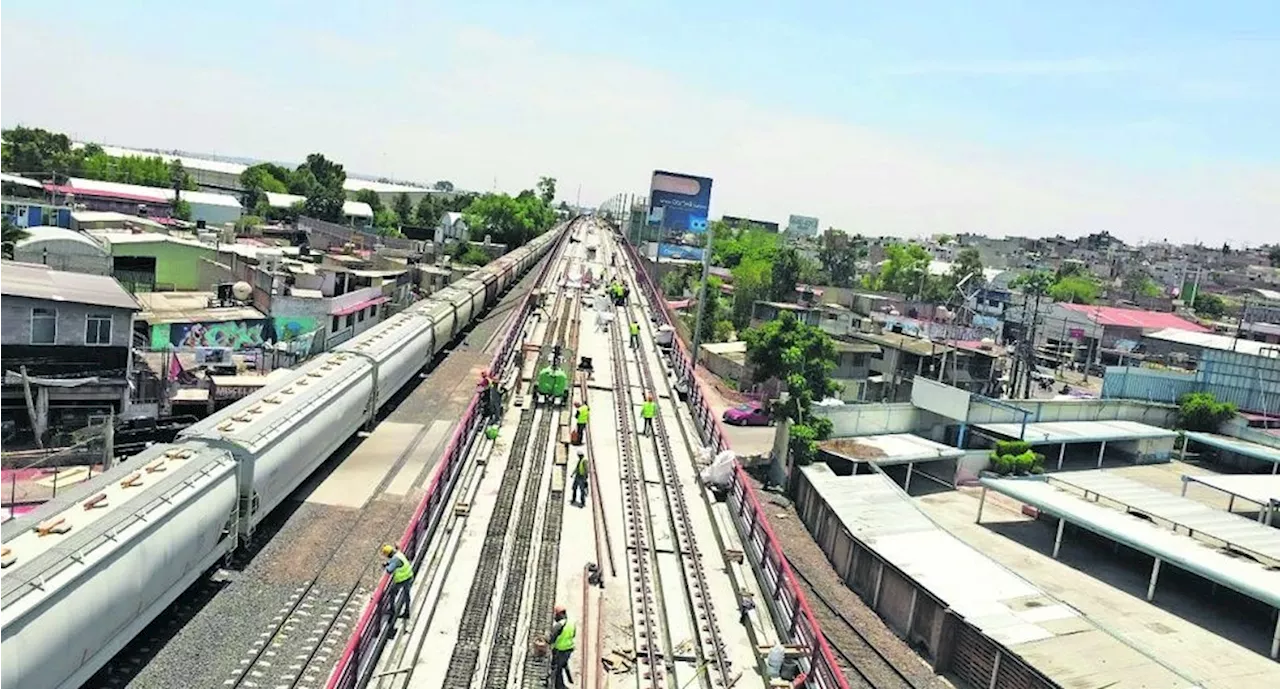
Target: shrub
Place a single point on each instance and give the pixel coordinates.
(1201, 411)
(1018, 463)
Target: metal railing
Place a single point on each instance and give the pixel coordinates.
(788, 601)
(360, 657)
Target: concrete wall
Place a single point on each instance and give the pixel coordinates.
(63, 254)
(881, 419)
(72, 322)
(1162, 415)
(177, 265)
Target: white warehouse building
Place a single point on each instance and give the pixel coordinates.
(214, 209)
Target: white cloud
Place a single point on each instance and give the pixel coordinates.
(1063, 67)
(488, 106)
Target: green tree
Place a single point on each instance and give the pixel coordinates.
(428, 211)
(547, 189)
(386, 223)
(1273, 256)
(473, 255)
(1037, 283)
(802, 357)
(34, 151)
(403, 206)
(259, 179)
(443, 185)
(324, 179)
(182, 209)
(1210, 305)
(1201, 411)
(512, 221)
(1137, 282)
(752, 280)
(838, 254)
(1076, 289)
(12, 234)
(905, 270)
(370, 197)
(968, 264)
(784, 274)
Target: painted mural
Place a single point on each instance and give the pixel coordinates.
(240, 334)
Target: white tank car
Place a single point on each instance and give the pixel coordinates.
(282, 433)
(399, 348)
(208, 491)
(72, 600)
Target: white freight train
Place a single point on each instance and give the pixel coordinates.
(85, 573)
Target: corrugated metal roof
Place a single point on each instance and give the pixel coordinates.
(1004, 606)
(1077, 431)
(23, 181)
(206, 198)
(1208, 340)
(1260, 488)
(1241, 574)
(40, 282)
(1244, 447)
(46, 233)
(1134, 318)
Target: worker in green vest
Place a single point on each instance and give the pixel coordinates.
(647, 412)
(546, 384)
(563, 632)
(580, 476)
(582, 417)
(635, 335)
(401, 571)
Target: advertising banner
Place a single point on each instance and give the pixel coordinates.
(678, 205)
(679, 252)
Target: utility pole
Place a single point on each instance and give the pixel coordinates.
(702, 297)
(1244, 309)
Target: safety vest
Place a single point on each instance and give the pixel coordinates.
(635, 328)
(649, 409)
(404, 572)
(581, 469)
(584, 414)
(564, 642)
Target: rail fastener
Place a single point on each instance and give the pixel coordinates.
(99, 500)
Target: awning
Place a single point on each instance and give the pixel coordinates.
(359, 306)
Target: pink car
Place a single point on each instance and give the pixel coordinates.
(748, 414)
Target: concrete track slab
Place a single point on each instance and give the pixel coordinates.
(358, 478)
(423, 455)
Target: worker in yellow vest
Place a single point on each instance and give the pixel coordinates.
(563, 631)
(580, 477)
(647, 412)
(583, 416)
(635, 335)
(401, 571)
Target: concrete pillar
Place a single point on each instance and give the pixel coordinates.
(1057, 540)
(1185, 481)
(995, 670)
(1155, 574)
(982, 501)
(906, 485)
(1183, 454)
(1275, 638)
(1062, 454)
(1102, 451)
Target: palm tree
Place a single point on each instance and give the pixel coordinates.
(12, 235)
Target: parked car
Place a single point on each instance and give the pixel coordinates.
(748, 414)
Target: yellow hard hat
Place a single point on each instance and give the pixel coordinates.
(388, 549)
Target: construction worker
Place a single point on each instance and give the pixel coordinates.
(579, 496)
(582, 417)
(647, 411)
(635, 335)
(561, 638)
(401, 571)
(546, 384)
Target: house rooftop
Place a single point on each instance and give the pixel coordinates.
(1134, 318)
(36, 281)
(1207, 340)
(906, 343)
(190, 307)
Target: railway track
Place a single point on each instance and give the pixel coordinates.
(869, 665)
(469, 649)
(707, 648)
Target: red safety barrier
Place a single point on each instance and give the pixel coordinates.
(749, 517)
(360, 656)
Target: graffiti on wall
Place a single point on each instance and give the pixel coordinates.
(237, 335)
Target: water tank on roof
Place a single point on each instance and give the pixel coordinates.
(241, 290)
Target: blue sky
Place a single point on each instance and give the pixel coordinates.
(1152, 119)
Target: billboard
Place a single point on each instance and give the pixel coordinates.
(802, 226)
(678, 204)
(679, 252)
